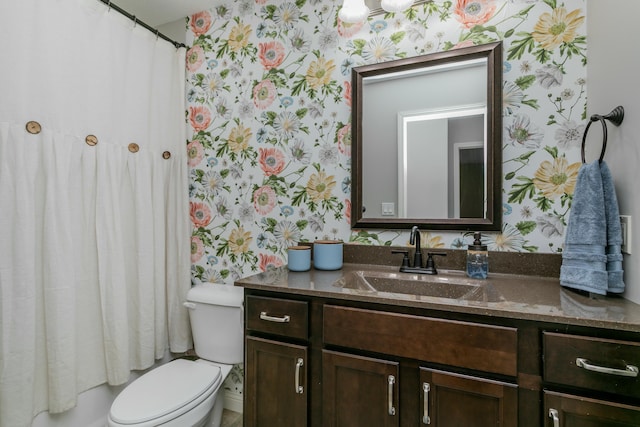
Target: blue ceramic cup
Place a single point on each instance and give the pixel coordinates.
(327, 254)
(299, 258)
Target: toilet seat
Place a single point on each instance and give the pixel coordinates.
(165, 393)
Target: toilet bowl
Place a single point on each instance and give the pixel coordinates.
(184, 393)
(179, 393)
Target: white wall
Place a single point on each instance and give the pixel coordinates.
(613, 66)
(175, 30)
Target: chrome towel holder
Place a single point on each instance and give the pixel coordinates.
(615, 116)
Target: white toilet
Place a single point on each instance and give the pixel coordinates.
(183, 392)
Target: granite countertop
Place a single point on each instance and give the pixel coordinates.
(502, 295)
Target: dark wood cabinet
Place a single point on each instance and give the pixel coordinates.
(486, 348)
(276, 362)
(277, 316)
(326, 362)
(586, 366)
(565, 410)
(591, 363)
(453, 400)
(359, 391)
(275, 390)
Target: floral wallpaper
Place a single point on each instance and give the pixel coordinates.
(270, 134)
(269, 113)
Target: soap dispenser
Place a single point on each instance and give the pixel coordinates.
(477, 258)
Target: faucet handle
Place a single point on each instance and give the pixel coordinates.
(431, 265)
(437, 253)
(405, 258)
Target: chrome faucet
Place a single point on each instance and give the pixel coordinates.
(417, 267)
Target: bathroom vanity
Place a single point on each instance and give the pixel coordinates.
(369, 346)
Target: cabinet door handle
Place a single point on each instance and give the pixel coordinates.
(391, 380)
(283, 319)
(553, 414)
(299, 388)
(426, 388)
(628, 371)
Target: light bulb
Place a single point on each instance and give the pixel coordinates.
(395, 5)
(353, 11)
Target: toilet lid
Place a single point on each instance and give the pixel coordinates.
(164, 390)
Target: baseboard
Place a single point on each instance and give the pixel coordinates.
(233, 401)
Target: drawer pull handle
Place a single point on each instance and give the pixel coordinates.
(283, 319)
(299, 388)
(629, 371)
(553, 414)
(391, 380)
(425, 393)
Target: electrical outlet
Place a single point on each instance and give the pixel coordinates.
(625, 225)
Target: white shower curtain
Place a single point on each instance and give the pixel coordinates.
(94, 239)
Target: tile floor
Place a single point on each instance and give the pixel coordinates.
(231, 419)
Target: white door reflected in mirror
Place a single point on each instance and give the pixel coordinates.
(429, 163)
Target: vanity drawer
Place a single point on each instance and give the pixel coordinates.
(278, 316)
(468, 345)
(592, 363)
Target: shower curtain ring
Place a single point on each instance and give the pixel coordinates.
(109, 6)
(135, 21)
(157, 33)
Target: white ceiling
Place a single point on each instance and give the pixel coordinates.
(159, 12)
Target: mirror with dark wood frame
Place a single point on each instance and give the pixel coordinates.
(427, 141)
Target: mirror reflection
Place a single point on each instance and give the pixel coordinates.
(441, 157)
(427, 134)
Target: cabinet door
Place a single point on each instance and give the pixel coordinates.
(452, 400)
(275, 384)
(359, 391)
(573, 411)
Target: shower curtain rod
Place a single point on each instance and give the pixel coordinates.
(136, 21)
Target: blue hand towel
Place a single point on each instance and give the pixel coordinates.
(584, 259)
(614, 232)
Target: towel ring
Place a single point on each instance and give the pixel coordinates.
(615, 116)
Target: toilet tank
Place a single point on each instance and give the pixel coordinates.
(216, 313)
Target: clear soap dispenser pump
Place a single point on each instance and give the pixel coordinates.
(477, 258)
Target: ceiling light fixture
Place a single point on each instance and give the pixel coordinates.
(356, 11)
(396, 5)
(353, 11)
